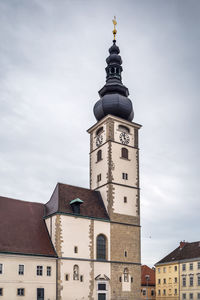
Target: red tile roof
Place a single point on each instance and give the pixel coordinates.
(63, 194)
(22, 228)
(184, 251)
(145, 270)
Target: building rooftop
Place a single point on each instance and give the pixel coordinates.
(184, 251)
(146, 271)
(23, 229)
(92, 205)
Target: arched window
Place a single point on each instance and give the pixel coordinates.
(101, 247)
(124, 153)
(76, 272)
(126, 275)
(99, 155)
(123, 128)
(99, 130)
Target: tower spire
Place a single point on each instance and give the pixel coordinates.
(114, 95)
(114, 30)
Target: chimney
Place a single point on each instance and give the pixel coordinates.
(182, 244)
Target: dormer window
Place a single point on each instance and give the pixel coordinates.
(75, 205)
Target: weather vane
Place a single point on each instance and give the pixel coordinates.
(114, 30)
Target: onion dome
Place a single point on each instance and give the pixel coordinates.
(114, 95)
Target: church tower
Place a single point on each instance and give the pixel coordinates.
(114, 172)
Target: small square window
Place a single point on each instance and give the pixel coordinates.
(39, 270)
(1, 291)
(1, 268)
(81, 278)
(75, 249)
(125, 176)
(125, 199)
(21, 270)
(102, 287)
(20, 292)
(48, 271)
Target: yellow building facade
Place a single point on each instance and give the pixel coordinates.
(167, 281)
(178, 274)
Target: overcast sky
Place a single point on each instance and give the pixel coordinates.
(52, 60)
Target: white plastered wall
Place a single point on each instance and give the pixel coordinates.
(119, 206)
(10, 280)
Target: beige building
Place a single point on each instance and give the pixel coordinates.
(83, 243)
(178, 274)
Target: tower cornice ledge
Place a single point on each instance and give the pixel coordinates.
(111, 117)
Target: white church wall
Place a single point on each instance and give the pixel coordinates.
(128, 206)
(102, 228)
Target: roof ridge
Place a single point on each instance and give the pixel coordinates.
(76, 186)
(26, 201)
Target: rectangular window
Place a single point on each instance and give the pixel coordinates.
(40, 294)
(183, 267)
(159, 292)
(164, 270)
(158, 281)
(198, 265)
(39, 270)
(125, 176)
(1, 268)
(175, 280)
(198, 280)
(198, 295)
(101, 286)
(152, 292)
(175, 268)
(20, 292)
(183, 296)
(75, 249)
(191, 296)
(1, 291)
(164, 292)
(184, 281)
(175, 291)
(191, 281)
(158, 270)
(48, 271)
(81, 278)
(125, 199)
(21, 270)
(98, 177)
(164, 281)
(144, 292)
(191, 266)
(66, 277)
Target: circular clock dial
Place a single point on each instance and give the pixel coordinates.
(124, 138)
(99, 140)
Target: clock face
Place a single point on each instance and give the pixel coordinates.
(99, 140)
(124, 138)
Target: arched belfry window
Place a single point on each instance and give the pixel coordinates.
(123, 128)
(99, 155)
(100, 130)
(124, 153)
(101, 247)
(76, 272)
(126, 275)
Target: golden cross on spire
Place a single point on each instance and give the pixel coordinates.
(114, 30)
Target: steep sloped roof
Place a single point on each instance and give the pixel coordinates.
(145, 270)
(184, 251)
(63, 194)
(22, 228)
